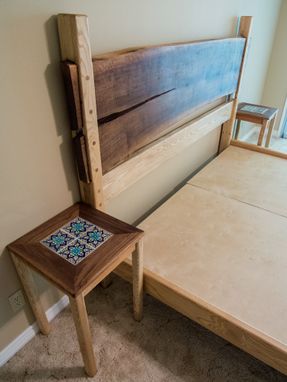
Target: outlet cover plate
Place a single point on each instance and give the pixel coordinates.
(17, 300)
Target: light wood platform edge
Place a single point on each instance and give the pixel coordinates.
(259, 149)
(240, 334)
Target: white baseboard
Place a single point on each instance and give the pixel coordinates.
(31, 331)
(249, 133)
(57, 308)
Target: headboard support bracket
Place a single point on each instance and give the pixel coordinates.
(71, 81)
(74, 44)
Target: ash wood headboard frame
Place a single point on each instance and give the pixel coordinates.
(104, 175)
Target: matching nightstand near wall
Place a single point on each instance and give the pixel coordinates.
(262, 115)
(76, 250)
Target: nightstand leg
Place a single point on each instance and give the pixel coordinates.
(137, 261)
(81, 321)
(106, 282)
(237, 128)
(262, 131)
(270, 130)
(29, 286)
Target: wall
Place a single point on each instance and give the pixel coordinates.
(36, 166)
(275, 89)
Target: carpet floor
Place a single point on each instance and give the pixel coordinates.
(277, 144)
(164, 347)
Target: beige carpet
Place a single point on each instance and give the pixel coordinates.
(164, 347)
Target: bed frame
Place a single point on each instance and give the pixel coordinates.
(133, 110)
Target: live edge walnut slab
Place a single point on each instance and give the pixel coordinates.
(77, 248)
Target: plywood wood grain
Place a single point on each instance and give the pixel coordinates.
(254, 178)
(227, 253)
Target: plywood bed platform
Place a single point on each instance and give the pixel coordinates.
(223, 250)
(216, 250)
(248, 176)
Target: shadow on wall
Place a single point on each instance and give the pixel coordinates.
(56, 91)
(57, 98)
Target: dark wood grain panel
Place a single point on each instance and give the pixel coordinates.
(145, 93)
(80, 150)
(71, 81)
(131, 78)
(122, 137)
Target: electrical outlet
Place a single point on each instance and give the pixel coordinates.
(17, 300)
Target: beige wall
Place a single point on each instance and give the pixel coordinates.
(36, 167)
(275, 89)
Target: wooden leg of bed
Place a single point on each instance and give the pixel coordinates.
(137, 261)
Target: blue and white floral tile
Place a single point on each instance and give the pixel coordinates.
(76, 240)
(78, 226)
(96, 237)
(57, 240)
(76, 251)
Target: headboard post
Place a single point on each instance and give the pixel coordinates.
(245, 28)
(75, 46)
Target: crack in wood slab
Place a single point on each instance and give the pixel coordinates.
(114, 116)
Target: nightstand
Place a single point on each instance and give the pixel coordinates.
(76, 250)
(262, 115)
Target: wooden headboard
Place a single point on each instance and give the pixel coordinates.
(133, 109)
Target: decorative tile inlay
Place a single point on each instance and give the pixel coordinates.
(57, 240)
(95, 237)
(78, 226)
(76, 251)
(76, 240)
